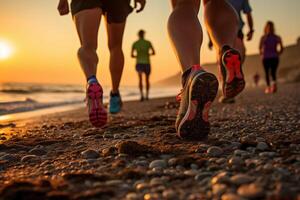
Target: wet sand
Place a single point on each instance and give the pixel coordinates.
(253, 152)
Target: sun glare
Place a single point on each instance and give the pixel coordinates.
(5, 50)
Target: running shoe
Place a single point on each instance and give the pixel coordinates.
(195, 99)
(273, 88)
(226, 100)
(268, 90)
(231, 71)
(96, 110)
(115, 103)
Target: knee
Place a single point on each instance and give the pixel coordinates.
(113, 46)
(84, 50)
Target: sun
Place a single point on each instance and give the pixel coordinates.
(6, 50)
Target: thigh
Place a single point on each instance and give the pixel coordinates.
(87, 24)
(115, 32)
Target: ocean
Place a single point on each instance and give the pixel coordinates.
(24, 97)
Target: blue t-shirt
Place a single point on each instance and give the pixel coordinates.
(241, 6)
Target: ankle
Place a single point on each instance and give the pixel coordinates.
(92, 79)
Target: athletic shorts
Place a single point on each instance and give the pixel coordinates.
(116, 11)
(143, 68)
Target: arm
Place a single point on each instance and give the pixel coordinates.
(280, 46)
(63, 7)
(152, 50)
(132, 52)
(142, 5)
(250, 25)
(261, 50)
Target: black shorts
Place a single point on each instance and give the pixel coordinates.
(143, 68)
(116, 11)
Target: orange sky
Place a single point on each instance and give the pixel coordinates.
(45, 44)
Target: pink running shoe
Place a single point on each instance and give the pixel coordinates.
(96, 110)
(232, 74)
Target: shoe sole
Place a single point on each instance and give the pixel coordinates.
(202, 92)
(97, 113)
(235, 86)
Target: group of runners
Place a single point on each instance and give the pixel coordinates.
(199, 88)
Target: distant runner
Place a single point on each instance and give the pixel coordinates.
(87, 17)
(142, 50)
(270, 53)
(240, 6)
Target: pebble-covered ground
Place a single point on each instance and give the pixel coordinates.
(253, 152)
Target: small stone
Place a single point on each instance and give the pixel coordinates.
(214, 151)
(251, 191)
(201, 176)
(262, 146)
(9, 158)
(109, 151)
(194, 166)
(267, 154)
(219, 189)
(236, 162)
(90, 154)
(231, 196)
(152, 196)
(172, 161)
(156, 182)
(169, 194)
(241, 179)
(191, 172)
(132, 196)
(220, 178)
(240, 152)
(30, 158)
(113, 182)
(158, 164)
(142, 186)
(38, 151)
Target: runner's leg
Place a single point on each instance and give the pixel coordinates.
(115, 32)
(87, 24)
(222, 23)
(147, 85)
(185, 32)
(141, 84)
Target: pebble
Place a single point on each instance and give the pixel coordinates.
(262, 146)
(30, 158)
(251, 191)
(236, 162)
(170, 194)
(220, 178)
(219, 189)
(142, 186)
(152, 196)
(158, 164)
(113, 182)
(172, 161)
(214, 151)
(191, 172)
(203, 175)
(240, 153)
(241, 179)
(231, 196)
(267, 154)
(38, 151)
(9, 158)
(156, 182)
(132, 196)
(90, 154)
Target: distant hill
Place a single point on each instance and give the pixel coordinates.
(289, 67)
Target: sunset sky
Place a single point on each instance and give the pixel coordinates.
(43, 45)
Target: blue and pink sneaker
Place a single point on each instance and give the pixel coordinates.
(196, 97)
(96, 110)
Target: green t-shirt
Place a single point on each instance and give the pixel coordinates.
(142, 49)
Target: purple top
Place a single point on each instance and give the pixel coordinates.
(269, 45)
